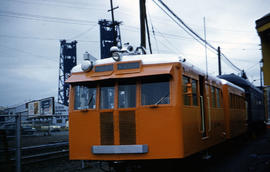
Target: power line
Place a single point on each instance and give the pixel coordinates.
(66, 2)
(175, 36)
(84, 32)
(41, 38)
(252, 66)
(71, 5)
(45, 18)
(153, 31)
(186, 28)
(190, 32)
(56, 4)
(29, 53)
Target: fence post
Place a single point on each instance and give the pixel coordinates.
(18, 142)
(82, 163)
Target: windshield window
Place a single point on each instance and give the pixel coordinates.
(155, 91)
(106, 97)
(85, 97)
(127, 95)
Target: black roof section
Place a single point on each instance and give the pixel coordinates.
(262, 21)
(239, 81)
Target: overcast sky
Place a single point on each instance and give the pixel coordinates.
(30, 31)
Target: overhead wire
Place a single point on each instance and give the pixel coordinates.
(176, 22)
(186, 28)
(45, 18)
(153, 30)
(27, 52)
(252, 66)
(192, 33)
(84, 32)
(41, 38)
(56, 4)
(175, 36)
(84, 22)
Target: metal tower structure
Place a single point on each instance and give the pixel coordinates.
(109, 36)
(68, 59)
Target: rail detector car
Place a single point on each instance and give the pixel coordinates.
(255, 101)
(136, 107)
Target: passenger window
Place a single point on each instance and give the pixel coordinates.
(213, 95)
(155, 91)
(194, 92)
(127, 95)
(106, 97)
(85, 97)
(237, 102)
(186, 90)
(230, 98)
(218, 97)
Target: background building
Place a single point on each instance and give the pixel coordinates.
(263, 29)
(39, 114)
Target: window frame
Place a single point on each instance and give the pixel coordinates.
(218, 98)
(188, 96)
(213, 96)
(135, 83)
(155, 78)
(87, 85)
(192, 97)
(115, 88)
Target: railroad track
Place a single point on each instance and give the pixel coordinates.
(38, 153)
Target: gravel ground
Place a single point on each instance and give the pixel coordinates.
(238, 155)
(40, 138)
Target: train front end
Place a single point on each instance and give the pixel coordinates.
(126, 110)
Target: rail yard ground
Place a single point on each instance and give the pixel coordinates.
(243, 154)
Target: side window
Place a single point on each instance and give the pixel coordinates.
(237, 102)
(218, 97)
(242, 103)
(127, 95)
(213, 95)
(155, 91)
(231, 100)
(85, 97)
(106, 96)
(186, 92)
(194, 92)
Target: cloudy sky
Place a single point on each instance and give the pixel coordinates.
(31, 29)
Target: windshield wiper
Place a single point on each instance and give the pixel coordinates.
(162, 98)
(91, 99)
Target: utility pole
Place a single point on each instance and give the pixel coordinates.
(142, 21)
(219, 61)
(261, 72)
(205, 48)
(148, 35)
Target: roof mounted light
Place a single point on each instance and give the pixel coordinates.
(88, 62)
(114, 49)
(115, 53)
(116, 56)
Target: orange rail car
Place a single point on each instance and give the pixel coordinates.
(149, 107)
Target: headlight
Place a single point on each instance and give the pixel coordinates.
(86, 65)
(116, 56)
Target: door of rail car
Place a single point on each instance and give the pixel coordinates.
(203, 108)
(117, 112)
